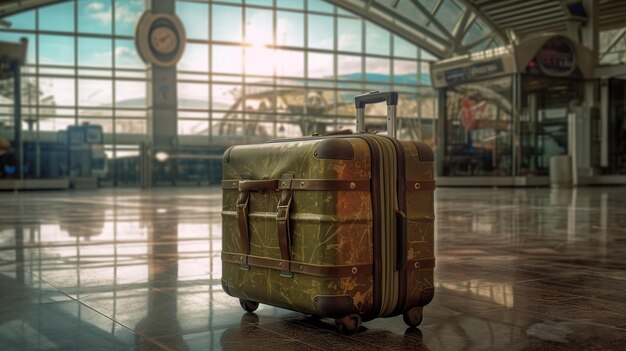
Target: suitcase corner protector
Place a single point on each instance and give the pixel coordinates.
(226, 288)
(333, 306)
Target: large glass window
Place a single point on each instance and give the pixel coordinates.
(82, 67)
(57, 18)
(226, 23)
(290, 28)
(543, 122)
(251, 70)
(95, 16)
(479, 129)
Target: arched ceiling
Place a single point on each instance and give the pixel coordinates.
(444, 27)
(451, 27)
(455, 27)
(8, 7)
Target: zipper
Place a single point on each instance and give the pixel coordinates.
(401, 240)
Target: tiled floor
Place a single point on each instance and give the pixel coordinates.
(129, 269)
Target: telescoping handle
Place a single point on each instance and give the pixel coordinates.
(391, 97)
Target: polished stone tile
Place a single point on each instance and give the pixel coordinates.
(245, 336)
(62, 326)
(127, 269)
(25, 289)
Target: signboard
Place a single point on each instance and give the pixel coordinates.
(472, 72)
(557, 57)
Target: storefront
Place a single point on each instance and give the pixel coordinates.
(505, 112)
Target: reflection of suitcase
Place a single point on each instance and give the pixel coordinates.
(336, 226)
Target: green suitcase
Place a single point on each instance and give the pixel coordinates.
(337, 226)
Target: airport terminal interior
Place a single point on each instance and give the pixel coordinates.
(115, 116)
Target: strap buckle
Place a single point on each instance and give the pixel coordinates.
(242, 221)
(283, 212)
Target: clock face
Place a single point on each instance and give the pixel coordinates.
(163, 40)
(160, 38)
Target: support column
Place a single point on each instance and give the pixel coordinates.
(588, 121)
(441, 130)
(17, 114)
(163, 100)
(163, 95)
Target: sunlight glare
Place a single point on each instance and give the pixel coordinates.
(260, 60)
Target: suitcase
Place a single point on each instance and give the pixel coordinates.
(337, 226)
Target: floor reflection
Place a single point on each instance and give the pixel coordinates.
(129, 269)
(162, 310)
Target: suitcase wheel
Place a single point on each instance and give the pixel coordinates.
(349, 324)
(413, 317)
(248, 306)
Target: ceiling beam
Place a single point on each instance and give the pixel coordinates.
(11, 7)
(426, 42)
(492, 26)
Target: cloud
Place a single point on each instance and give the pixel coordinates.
(349, 40)
(124, 12)
(97, 12)
(95, 6)
(404, 67)
(127, 12)
(122, 51)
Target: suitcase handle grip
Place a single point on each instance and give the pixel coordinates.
(401, 228)
(391, 97)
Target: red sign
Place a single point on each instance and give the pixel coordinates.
(557, 57)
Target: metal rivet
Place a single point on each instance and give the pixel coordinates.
(417, 264)
(301, 267)
(354, 270)
(280, 264)
(352, 185)
(301, 184)
(240, 258)
(417, 186)
(283, 183)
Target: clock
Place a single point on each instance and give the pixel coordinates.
(163, 39)
(160, 38)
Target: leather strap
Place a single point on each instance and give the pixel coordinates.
(421, 264)
(242, 220)
(252, 185)
(297, 184)
(325, 185)
(420, 185)
(282, 221)
(327, 271)
(232, 184)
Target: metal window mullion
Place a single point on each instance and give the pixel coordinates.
(469, 25)
(75, 62)
(210, 81)
(114, 109)
(305, 110)
(336, 64)
(391, 59)
(244, 81)
(614, 43)
(275, 78)
(491, 37)
(62, 33)
(37, 107)
(431, 17)
(363, 52)
(460, 29)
